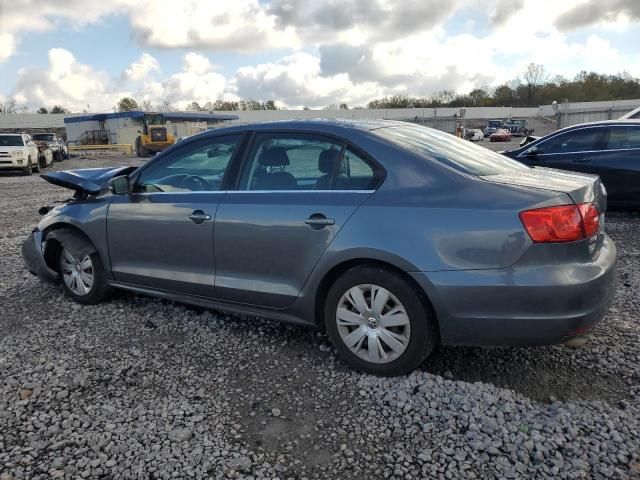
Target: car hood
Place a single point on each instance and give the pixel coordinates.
(581, 187)
(91, 181)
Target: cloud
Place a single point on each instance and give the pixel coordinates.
(69, 83)
(65, 82)
(141, 68)
(7, 46)
(321, 20)
(236, 26)
(503, 10)
(296, 80)
(197, 82)
(597, 12)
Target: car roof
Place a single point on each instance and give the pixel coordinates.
(318, 125)
(626, 121)
(13, 134)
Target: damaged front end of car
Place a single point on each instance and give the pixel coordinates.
(58, 229)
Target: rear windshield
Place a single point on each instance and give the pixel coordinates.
(455, 152)
(11, 141)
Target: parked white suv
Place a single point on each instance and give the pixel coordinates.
(18, 152)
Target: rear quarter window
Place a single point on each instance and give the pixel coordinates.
(462, 155)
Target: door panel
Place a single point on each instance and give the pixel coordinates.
(153, 242)
(161, 235)
(265, 251)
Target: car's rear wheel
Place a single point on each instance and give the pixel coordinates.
(83, 277)
(379, 322)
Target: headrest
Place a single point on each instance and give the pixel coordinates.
(273, 157)
(328, 159)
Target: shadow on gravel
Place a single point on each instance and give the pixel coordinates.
(544, 374)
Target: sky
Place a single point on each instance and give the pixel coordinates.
(87, 54)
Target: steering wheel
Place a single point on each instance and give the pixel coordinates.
(194, 183)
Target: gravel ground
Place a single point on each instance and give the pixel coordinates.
(143, 388)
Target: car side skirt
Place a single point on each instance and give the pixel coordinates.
(214, 304)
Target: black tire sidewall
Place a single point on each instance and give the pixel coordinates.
(28, 170)
(99, 289)
(423, 333)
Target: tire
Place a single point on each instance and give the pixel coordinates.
(36, 167)
(28, 170)
(42, 162)
(80, 269)
(415, 326)
(140, 150)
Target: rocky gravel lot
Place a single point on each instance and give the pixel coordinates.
(144, 388)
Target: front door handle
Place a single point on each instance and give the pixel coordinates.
(198, 216)
(318, 221)
(582, 160)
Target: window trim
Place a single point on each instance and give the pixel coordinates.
(379, 173)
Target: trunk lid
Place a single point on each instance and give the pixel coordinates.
(90, 181)
(581, 187)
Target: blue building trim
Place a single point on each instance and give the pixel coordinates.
(172, 116)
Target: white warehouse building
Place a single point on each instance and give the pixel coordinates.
(124, 127)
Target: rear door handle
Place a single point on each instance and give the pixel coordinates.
(198, 216)
(318, 221)
(581, 160)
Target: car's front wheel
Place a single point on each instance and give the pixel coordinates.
(379, 322)
(83, 277)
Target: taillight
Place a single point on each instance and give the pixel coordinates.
(563, 223)
(590, 219)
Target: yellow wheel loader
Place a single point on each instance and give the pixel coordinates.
(153, 136)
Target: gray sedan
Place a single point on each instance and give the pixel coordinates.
(393, 237)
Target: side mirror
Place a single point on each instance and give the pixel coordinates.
(119, 185)
(213, 152)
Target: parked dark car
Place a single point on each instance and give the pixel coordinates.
(394, 237)
(610, 149)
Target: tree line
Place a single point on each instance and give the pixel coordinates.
(533, 87)
(128, 104)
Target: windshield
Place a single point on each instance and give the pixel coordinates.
(494, 123)
(455, 152)
(47, 137)
(154, 119)
(11, 141)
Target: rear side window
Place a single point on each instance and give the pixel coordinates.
(623, 137)
(355, 173)
(582, 140)
(292, 161)
(450, 150)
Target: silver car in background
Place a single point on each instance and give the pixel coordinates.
(391, 236)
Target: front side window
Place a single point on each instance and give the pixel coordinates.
(291, 162)
(582, 140)
(11, 141)
(623, 138)
(196, 167)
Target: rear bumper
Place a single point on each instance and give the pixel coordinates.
(522, 305)
(33, 259)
